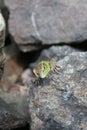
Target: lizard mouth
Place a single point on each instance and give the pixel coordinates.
(42, 75)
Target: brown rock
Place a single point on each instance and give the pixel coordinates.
(12, 70)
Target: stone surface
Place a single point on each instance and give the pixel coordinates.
(12, 70)
(1, 4)
(34, 22)
(58, 52)
(2, 31)
(13, 95)
(2, 43)
(60, 100)
(13, 108)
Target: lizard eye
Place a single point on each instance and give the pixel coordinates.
(44, 67)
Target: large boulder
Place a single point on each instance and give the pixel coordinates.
(47, 22)
(60, 100)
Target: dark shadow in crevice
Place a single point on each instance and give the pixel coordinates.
(81, 46)
(26, 127)
(25, 58)
(32, 56)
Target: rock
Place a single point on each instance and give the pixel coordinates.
(33, 23)
(2, 31)
(1, 4)
(10, 118)
(13, 95)
(26, 77)
(60, 101)
(2, 61)
(2, 43)
(13, 107)
(12, 69)
(58, 52)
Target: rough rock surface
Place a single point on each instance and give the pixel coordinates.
(58, 52)
(11, 111)
(2, 43)
(2, 31)
(48, 21)
(13, 96)
(60, 101)
(1, 4)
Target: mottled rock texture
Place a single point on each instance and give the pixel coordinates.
(2, 43)
(13, 103)
(60, 101)
(11, 115)
(58, 52)
(13, 97)
(47, 22)
(2, 31)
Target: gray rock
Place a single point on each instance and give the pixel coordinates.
(60, 100)
(57, 52)
(2, 31)
(32, 22)
(1, 4)
(13, 110)
(2, 43)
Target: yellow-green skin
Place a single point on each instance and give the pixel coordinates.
(42, 69)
